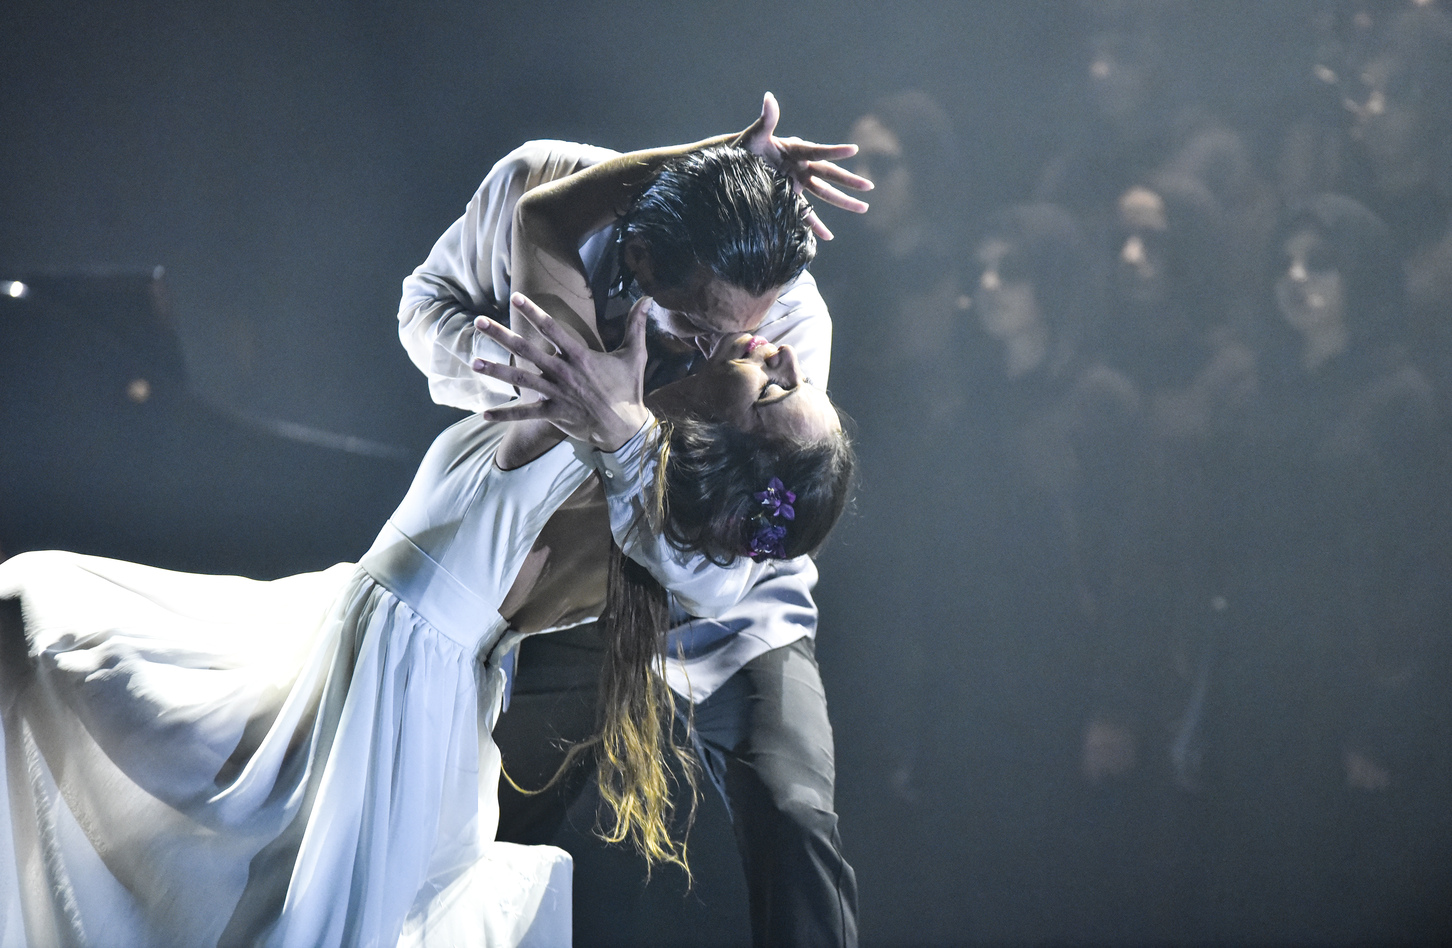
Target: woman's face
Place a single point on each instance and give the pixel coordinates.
(1310, 291)
(1007, 305)
(753, 385)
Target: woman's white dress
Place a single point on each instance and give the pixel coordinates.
(199, 760)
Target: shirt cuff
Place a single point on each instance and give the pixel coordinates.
(623, 468)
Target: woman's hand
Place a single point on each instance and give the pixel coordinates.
(811, 166)
(591, 396)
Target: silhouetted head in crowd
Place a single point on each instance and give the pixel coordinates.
(1401, 103)
(1128, 82)
(1218, 158)
(1168, 277)
(1033, 287)
(1337, 282)
(907, 146)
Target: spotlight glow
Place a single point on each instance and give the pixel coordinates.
(14, 289)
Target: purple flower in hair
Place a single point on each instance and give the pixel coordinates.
(768, 542)
(775, 504)
(777, 500)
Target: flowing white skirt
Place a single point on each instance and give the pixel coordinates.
(201, 760)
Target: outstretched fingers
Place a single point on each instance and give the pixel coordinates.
(819, 188)
(519, 378)
(815, 223)
(799, 149)
(836, 174)
(512, 342)
(568, 345)
(770, 115)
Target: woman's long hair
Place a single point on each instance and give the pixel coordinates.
(636, 742)
(704, 501)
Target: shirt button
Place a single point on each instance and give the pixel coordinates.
(609, 474)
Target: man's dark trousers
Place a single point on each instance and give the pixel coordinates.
(764, 741)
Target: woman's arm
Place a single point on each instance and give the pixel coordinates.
(468, 272)
(563, 212)
(550, 222)
(557, 216)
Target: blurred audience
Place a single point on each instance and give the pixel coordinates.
(898, 275)
(1322, 681)
(1050, 448)
(1167, 579)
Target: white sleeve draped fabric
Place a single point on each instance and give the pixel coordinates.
(211, 760)
(698, 585)
(467, 274)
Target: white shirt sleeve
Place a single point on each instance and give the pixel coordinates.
(700, 587)
(467, 273)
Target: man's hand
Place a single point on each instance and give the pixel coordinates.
(810, 166)
(591, 396)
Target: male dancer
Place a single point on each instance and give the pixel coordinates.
(761, 728)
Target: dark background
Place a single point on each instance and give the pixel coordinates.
(289, 163)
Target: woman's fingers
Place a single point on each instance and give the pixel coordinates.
(795, 149)
(568, 345)
(815, 223)
(514, 375)
(770, 115)
(512, 341)
(821, 189)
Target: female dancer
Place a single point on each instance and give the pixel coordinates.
(200, 760)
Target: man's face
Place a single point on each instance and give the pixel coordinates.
(1310, 292)
(705, 308)
(1007, 305)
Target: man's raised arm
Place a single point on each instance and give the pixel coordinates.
(468, 273)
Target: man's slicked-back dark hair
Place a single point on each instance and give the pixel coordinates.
(724, 209)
